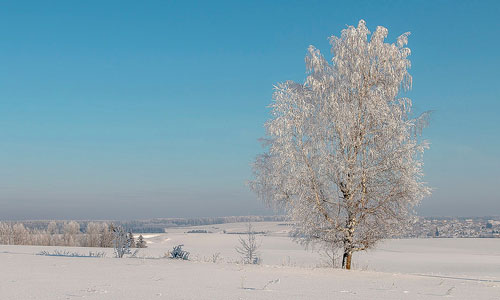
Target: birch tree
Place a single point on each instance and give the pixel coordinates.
(70, 235)
(343, 150)
(93, 233)
(121, 242)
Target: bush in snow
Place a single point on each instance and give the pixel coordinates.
(178, 253)
(71, 254)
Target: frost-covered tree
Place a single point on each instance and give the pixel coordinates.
(121, 242)
(20, 234)
(344, 157)
(131, 239)
(5, 234)
(107, 235)
(52, 227)
(141, 243)
(71, 230)
(93, 234)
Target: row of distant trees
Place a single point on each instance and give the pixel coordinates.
(159, 224)
(95, 234)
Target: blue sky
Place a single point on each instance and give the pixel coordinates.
(129, 109)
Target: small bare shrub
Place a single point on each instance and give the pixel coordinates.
(216, 257)
(71, 254)
(248, 247)
(330, 257)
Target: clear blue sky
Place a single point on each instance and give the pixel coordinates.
(131, 109)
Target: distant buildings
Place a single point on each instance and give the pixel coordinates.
(453, 227)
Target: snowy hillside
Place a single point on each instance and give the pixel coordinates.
(398, 269)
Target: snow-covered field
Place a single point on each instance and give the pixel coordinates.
(397, 269)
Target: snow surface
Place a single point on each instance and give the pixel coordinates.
(397, 269)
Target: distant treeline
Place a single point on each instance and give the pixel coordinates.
(95, 234)
(245, 232)
(61, 233)
(159, 225)
(151, 225)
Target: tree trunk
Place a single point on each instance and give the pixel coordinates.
(348, 241)
(346, 260)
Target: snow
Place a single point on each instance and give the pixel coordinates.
(397, 269)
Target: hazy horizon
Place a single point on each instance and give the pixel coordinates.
(142, 110)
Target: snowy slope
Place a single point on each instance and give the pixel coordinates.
(398, 269)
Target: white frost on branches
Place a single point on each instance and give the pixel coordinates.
(343, 153)
(121, 242)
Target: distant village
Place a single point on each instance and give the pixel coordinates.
(453, 227)
(420, 227)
